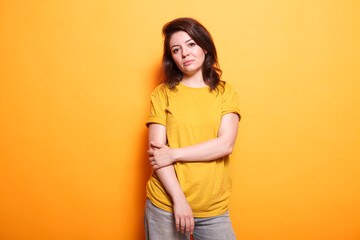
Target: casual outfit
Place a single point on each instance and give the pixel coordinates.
(191, 116)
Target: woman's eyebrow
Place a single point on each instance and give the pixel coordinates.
(179, 45)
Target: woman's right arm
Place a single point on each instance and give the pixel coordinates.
(184, 219)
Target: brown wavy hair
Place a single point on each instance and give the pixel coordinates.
(210, 70)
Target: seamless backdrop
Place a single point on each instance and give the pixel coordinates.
(75, 80)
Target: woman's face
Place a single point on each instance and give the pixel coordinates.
(188, 56)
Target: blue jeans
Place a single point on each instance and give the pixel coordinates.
(160, 225)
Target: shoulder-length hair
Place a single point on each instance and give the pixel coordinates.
(210, 70)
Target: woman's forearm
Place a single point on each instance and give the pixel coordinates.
(205, 151)
(212, 149)
(167, 177)
(215, 148)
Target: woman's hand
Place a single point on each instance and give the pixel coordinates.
(184, 219)
(160, 155)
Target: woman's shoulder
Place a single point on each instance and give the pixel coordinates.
(225, 88)
(160, 90)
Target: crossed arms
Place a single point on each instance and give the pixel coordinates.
(162, 157)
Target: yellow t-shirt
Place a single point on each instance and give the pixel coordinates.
(191, 116)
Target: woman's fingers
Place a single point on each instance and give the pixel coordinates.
(154, 165)
(187, 226)
(192, 225)
(182, 225)
(150, 152)
(177, 223)
(184, 220)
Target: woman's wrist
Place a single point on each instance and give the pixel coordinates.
(178, 198)
(176, 154)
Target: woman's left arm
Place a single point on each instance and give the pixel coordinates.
(205, 151)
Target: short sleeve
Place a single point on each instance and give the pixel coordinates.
(230, 101)
(157, 112)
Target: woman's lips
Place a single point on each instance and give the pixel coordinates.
(188, 62)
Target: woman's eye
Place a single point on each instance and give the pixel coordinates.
(175, 50)
(192, 44)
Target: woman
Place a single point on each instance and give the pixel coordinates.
(193, 125)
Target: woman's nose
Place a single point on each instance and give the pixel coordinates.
(185, 52)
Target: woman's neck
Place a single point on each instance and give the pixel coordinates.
(195, 80)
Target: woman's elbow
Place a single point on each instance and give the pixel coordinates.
(229, 149)
(226, 147)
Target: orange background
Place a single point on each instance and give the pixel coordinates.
(75, 79)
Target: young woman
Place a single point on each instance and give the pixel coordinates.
(193, 124)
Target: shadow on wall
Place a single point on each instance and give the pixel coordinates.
(145, 172)
(145, 169)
